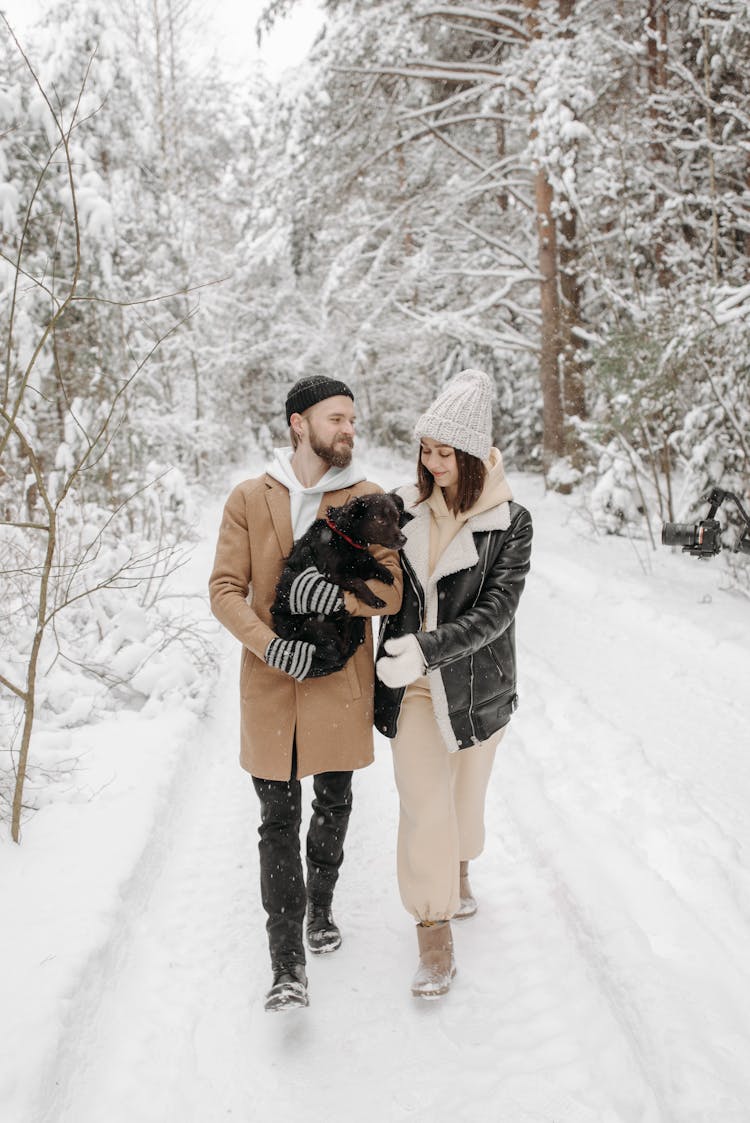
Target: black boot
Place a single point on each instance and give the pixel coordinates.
(321, 929)
(289, 988)
(282, 886)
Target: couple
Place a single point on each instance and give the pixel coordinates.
(446, 674)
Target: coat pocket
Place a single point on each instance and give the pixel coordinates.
(494, 715)
(488, 678)
(247, 666)
(353, 678)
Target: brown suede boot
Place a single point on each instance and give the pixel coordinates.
(436, 963)
(467, 905)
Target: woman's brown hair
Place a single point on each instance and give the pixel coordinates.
(471, 477)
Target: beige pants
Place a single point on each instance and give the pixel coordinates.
(441, 794)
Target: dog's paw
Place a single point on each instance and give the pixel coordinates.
(366, 595)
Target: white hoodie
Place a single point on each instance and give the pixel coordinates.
(304, 501)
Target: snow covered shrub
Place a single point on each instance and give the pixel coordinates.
(712, 441)
(634, 411)
(671, 416)
(91, 531)
(614, 502)
(711, 445)
(517, 410)
(100, 625)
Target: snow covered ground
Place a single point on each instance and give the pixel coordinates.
(604, 979)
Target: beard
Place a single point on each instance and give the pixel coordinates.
(336, 454)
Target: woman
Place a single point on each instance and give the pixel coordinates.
(447, 661)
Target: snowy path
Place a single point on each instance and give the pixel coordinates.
(604, 979)
(181, 1033)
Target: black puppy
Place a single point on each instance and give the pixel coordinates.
(336, 546)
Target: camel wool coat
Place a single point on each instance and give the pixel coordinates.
(331, 716)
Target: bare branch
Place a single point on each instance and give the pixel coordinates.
(36, 467)
(435, 69)
(728, 411)
(92, 549)
(12, 688)
(497, 244)
(91, 299)
(25, 526)
(94, 441)
(65, 144)
(18, 272)
(456, 148)
(485, 15)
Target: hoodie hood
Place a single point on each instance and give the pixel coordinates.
(305, 501)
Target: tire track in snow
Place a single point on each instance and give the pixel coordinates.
(678, 1002)
(653, 883)
(659, 670)
(186, 948)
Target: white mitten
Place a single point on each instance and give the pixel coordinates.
(404, 662)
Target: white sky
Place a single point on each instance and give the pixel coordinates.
(234, 22)
(231, 25)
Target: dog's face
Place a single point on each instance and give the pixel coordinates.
(374, 519)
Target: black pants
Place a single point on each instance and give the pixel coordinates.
(282, 885)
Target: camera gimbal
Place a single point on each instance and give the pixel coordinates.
(703, 539)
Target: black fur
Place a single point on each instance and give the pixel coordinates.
(366, 520)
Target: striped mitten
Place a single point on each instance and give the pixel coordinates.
(292, 656)
(311, 593)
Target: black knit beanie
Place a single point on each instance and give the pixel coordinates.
(311, 390)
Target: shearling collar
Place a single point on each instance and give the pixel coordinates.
(460, 554)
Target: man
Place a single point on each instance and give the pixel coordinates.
(293, 726)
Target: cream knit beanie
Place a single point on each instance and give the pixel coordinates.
(462, 415)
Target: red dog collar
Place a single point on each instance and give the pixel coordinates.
(332, 525)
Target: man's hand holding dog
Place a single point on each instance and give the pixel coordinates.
(311, 593)
(292, 656)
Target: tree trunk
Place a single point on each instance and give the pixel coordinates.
(656, 68)
(31, 677)
(404, 193)
(571, 343)
(161, 111)
(553, 443)
(573, 388)
(553, 425)
(711, 162)
(746, 238)
(500, 145)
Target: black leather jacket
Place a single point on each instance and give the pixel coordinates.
(473, 643)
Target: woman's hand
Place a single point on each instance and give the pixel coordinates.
(404, 662)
